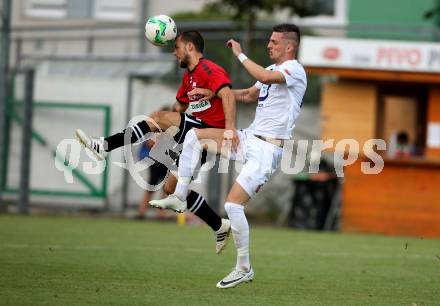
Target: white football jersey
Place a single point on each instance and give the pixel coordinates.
(279, 104)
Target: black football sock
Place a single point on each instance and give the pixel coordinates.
(197, 205)
(117, 140)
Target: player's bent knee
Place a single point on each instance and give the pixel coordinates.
(155, 117)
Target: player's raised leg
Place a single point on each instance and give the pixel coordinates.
(94, 144)
(101, 146)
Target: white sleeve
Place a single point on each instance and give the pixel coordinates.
(258, 84)
(292, 73)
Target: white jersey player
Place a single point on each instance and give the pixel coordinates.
(279, 91)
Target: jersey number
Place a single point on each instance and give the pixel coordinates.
(264, 92)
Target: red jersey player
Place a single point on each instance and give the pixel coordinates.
(206, 74)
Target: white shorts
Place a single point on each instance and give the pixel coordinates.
(261, 159)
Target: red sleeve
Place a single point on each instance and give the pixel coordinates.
(182, 93)
(218, 79)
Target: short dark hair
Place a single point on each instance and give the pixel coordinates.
(289, 28)
(193, 37)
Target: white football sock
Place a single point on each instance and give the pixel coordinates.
(181, 190)
(240, 232)
(188, 161)
(190, 156)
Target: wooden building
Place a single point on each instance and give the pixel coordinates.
(377, 89)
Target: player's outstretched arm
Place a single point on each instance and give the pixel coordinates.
(258, 72)
(248, 95)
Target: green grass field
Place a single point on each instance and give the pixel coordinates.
(87, 261)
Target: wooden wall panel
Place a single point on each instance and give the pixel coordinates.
(404, 199)
(348, 111)
(433, 116)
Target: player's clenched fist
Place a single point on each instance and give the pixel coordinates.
(235, 46)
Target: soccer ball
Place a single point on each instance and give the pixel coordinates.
(160, 30)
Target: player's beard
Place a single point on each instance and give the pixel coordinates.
(185, 61)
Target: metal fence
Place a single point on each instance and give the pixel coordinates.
(128, 40)
(31, 135)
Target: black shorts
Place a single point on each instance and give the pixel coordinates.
(157, 173)
(188, 122)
